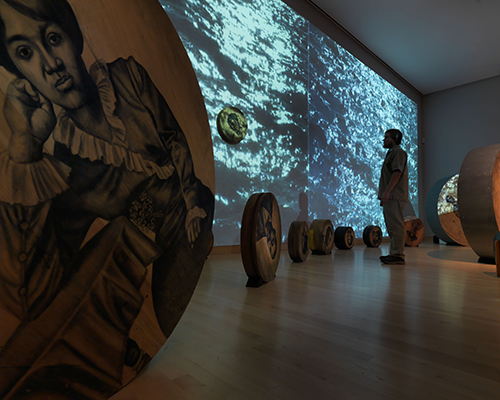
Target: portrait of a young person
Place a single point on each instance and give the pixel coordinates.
(119, 156)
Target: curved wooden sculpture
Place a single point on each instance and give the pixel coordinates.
(211, 244)
(372, 236)
(321, 236)
(261, 238)
(479, 199)
(441, 208)
(113, 219)
(414, 228)
(496, 241)
(298, 241)
(344, 237)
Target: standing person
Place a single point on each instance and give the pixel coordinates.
(393, 195)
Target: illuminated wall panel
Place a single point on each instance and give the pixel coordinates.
(316, 115)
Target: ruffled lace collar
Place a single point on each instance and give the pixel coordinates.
(116, 153)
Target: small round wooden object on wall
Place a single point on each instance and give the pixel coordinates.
(261, 238)
(232, 125)
(414, 229)
(298, 241)
(344, 238)
(321, 236)
(372, 236)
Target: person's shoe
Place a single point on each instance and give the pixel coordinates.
(392, 260)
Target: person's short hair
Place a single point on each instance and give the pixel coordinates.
(56, 11)
(396, 135)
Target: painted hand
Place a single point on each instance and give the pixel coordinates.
(31, 119)
(193, 230)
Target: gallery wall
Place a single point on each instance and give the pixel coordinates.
(328, 25)
(316, 111)
(454, 122)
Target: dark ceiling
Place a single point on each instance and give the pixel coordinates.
(432, 44)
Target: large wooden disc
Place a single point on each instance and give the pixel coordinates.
(321, 236)
(496, 241)
(261, 236)
(479, 199)
(123, 289)
(414, 229)
(344, 237)
(298, 241)
(372, 236)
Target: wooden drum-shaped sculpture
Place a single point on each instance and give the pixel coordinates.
(414, 228)
(372, 236)
(261, 238)
(298, 241)
(344, 237)
(321, 236)
(479, 199)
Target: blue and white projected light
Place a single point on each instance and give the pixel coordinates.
(316, 115)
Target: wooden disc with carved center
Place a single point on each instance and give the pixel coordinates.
(261, 236)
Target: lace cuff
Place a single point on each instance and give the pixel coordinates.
(195, 212)
(32, 183)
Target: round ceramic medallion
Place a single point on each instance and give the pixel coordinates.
(232, 125)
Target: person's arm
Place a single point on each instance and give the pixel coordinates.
(395, 177)
(175, 142)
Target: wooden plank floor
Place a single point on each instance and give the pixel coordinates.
(341, 326)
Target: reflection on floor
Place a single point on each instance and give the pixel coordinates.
(341, 326)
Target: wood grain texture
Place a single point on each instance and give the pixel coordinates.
(414, 228)
(344, 237)
(112, 30)
(260, 236)
(321, 236)
(298, 241)
(336, 327)
(372, 236)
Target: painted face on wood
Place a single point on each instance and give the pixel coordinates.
(45, 55)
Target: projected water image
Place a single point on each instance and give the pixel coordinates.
(316, 115)
(350, 107)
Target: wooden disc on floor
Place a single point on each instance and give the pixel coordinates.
(261, 238)
(298, 241)
(414, 229)
(321, 236)
(344, 238)
(372, 236)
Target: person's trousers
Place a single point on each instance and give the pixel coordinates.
(394, 221)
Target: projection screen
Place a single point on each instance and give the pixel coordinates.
(316, 114)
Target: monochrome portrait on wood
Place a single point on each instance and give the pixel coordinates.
(106, 193)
